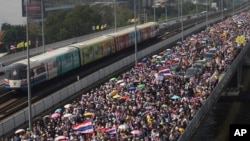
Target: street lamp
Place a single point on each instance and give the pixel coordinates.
(206, 13)
(196, 4)
(144, 15)
(115, 13)
(154, 13)
(181, 24)
(166, 13)
(135, 33)
(233, 7)
(222, 9)
(42, 8)
(28, 69)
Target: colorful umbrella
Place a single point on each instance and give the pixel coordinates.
(55, 115)
(67, 115)
(141, 86)
(58, 110)
(116, 96)
(114, 92)
(136, 132)
(19, 131)
(122, 84)
(131, 88)
(113, 79)
(175, 97)
(88, 114)
(119, 81)
(67, 106)
(123, 127)
(125, 97)
(144, 59)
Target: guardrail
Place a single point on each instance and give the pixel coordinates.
(17, 119)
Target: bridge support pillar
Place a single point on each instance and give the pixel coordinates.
(239, 76)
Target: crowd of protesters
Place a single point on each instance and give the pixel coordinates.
(147, 103)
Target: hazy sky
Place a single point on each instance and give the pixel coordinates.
(11, 12)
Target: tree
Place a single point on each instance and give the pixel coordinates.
(13, 34)
(53, 25)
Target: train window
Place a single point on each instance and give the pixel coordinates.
(7, 74)
(40, 70)
(23, 74)
(32, 73)
(67, 59)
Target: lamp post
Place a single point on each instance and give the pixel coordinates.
(28, 68)
(144, 15)
(181, 24)
(42, 8)
(135, 33)
(166, 9)
(233, 7)
(196, 6)
(222, 9)
(115, 13)
(154, 13)
(206, 12)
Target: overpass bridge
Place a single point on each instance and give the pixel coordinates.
(235, 68)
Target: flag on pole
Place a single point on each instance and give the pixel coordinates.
(20, 45)
(97, 27)
(12, 47)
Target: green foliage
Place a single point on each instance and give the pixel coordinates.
(12, 34)
(80, 21)
(54, 28)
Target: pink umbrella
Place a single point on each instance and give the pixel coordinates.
(55, 115)
(136, 132)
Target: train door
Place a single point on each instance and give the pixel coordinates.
(51, 68)
(38, 74)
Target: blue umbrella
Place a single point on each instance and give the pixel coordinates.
(58, 110)
(144, 59)
(175, 97)
(131, 88)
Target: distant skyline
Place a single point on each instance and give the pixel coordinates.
(11, 12)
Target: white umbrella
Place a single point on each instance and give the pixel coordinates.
(19, 131)
(67, 106)
(67, 115)
(122, 84)
(119, 81)
(123, 127)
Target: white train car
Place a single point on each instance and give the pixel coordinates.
(42, 67)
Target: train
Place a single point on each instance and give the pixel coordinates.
(59, 61)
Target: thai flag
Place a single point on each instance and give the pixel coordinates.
(111, 131)
(165, 72)
(85, 127)
(12, 47)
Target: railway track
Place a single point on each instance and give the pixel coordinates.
(11, 103)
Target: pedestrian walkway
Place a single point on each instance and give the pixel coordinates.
(155, 100)
(3, 54)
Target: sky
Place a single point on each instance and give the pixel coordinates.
(11, 12)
